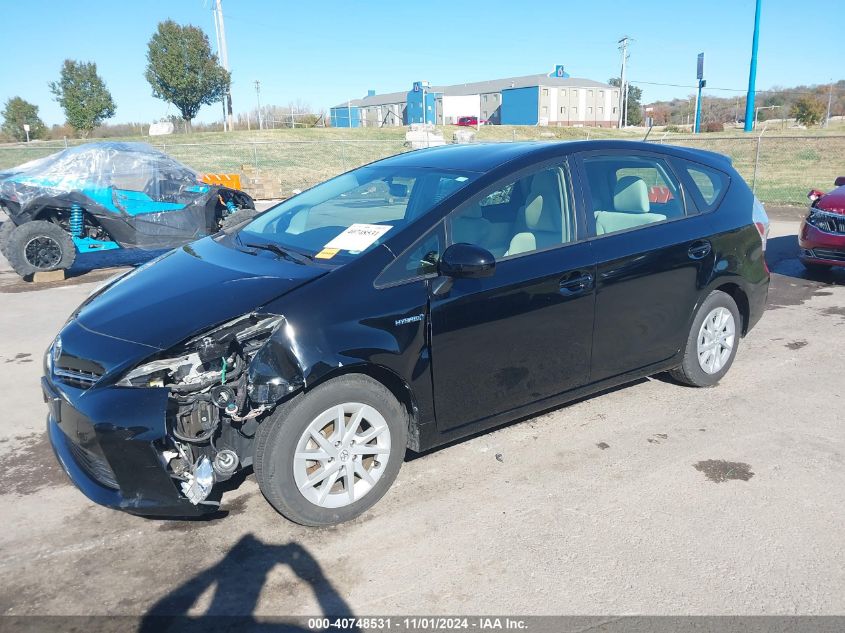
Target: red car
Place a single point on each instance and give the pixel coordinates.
(470, 121)
(822, 235)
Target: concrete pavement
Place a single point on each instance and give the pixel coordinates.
(652, 498)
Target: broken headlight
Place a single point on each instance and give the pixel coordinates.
(207, 359)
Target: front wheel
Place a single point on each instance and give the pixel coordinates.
(329, 455)
(39, 246)
(5, 232)
(712, 342)
(241, 216)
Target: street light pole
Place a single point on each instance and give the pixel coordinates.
(829, 100)
(623, 91)
(223, 50)
(258, 100)
(752, 73)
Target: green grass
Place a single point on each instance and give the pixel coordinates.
(791, 161)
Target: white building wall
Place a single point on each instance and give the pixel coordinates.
(554, 111)
(460, 105)
(582, 104)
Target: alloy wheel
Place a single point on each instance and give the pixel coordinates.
(341, 455)
(716, 339)
(43, 252)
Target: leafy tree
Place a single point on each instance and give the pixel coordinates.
(18, 112)
(808, 110)
(635, 95)
(83, 96)
(182, 69)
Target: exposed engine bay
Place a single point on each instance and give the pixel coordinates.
(218, 393)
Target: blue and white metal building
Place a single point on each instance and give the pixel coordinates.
(530, 100)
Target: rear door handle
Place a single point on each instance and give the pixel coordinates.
(699, 249)
(576, 283)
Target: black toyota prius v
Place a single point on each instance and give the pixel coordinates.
(403, 305)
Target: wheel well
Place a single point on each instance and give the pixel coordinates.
(741, 300)
(60, 216)
(47, 214)
(389, 379)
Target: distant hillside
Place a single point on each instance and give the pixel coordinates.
(731, 108)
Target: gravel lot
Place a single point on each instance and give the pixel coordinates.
(651, 499)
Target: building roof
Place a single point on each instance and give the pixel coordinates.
(479, 87)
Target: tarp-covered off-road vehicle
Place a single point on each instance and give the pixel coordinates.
(102, 196)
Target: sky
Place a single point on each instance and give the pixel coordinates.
(324, 53)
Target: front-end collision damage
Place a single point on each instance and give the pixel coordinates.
(221, 384)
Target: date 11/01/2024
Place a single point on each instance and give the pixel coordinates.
(419, 623)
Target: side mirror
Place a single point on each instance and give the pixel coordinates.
(839, 181)
(466, 261)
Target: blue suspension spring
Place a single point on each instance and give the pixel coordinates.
(77, 220)
(231, 206)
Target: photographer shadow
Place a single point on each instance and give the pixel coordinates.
(237, 580)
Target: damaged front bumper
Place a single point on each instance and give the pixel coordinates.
(109, 444)
(823, 245)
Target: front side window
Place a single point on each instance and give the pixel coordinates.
(630, 191)
(348, 215)
(530, 214)
(419, 261)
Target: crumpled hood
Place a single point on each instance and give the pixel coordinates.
(189, 290)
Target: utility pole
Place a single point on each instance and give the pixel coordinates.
(623, 85)
(223, 51)
(752, 73)
(258, 100)
(701, 84)
(829, 101)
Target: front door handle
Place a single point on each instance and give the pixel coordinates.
(576, 283)
(699, 250)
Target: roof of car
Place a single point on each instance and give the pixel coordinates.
(482, 157)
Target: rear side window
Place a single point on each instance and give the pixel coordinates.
(708, 183)
(631, 191)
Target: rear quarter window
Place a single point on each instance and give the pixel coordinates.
(709, 184)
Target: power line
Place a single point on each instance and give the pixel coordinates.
(694, 87)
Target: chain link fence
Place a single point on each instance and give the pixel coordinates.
(780, 169)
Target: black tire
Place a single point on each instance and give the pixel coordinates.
(5, 232)
(813, 267)
(241, 216)
(690, 371)
(278, 436)
(57, 253)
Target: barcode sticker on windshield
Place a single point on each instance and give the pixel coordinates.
(358, 237)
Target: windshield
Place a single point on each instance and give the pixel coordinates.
(350, 214)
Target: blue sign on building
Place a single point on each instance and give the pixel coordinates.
(559, 72)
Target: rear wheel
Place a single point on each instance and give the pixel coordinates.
(39, 246)
(329, 455)
(712, 342)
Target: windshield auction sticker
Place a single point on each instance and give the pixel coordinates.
(358, 237)
(327, 253)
